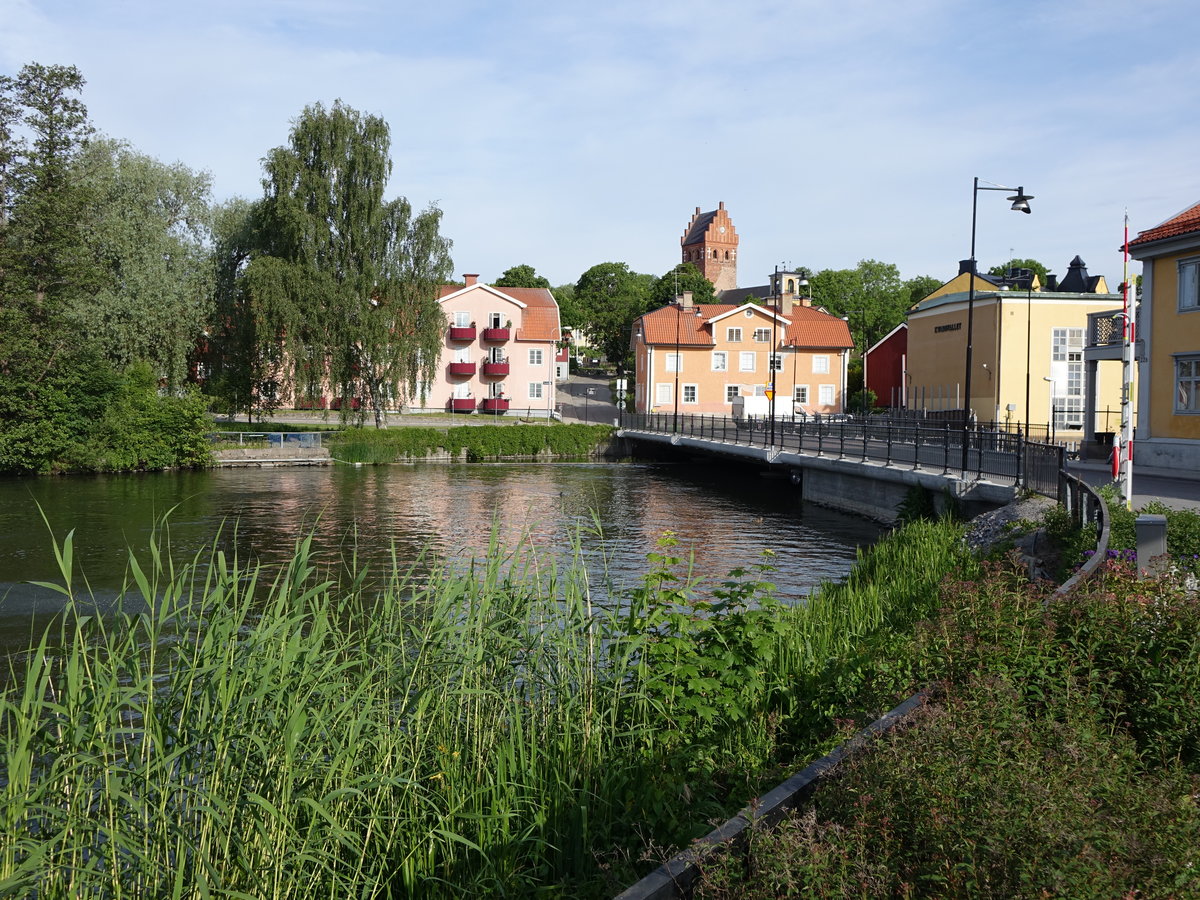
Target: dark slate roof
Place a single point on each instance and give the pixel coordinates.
(738, 296)
(699, 227)
(1077, 280)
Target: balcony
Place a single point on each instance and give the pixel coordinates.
(462, 404)
(496, 335)
(1106, 337)
(495, 367)
(495, 404)
(462, 333)
(461, 368)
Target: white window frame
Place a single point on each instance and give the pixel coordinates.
(693, 389)
(495, 320)
(731, 391)
(462, 318)
(733, 335)
(536, 356)
(664, 393)
(462, 354)
(1187, 384)
(762, 335)
(673, 361)
(1189, 284)
(825, 394)
(800, 393)
(747, 356)
(535, 390)
(720, 361)
(774, 362)
(820, 364)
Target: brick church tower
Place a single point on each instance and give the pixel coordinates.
(710, 244)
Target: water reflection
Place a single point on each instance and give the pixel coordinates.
(724, 516)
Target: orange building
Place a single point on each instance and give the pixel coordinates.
(696, 358)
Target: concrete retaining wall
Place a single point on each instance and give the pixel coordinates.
(868, 488)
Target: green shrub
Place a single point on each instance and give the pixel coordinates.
(480, 442)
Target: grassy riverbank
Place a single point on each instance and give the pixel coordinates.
(1061, 758)
(493, 731)
(481, 442)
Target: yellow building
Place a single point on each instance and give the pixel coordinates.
(1027, 362)
(1168, 428)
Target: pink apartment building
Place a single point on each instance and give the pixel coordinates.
(499, 351)
(702, 356)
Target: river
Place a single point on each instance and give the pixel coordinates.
(723, 515)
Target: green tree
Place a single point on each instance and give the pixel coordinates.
(522, 276)
(148, 233)
(568, 309)
(1003, 269)
(920, 287)
(684, 277)
(344, 281)
(872, 297)
(610, 297)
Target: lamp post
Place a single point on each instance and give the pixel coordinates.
(1053, 409)
(678, 361)
(771, 355)
(1020, 203)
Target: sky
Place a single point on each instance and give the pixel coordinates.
(566, 134)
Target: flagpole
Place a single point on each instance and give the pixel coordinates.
(1126, 448)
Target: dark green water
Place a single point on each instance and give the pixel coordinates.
(724, 515)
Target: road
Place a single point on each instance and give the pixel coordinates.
(1176, 490)
(578, 405)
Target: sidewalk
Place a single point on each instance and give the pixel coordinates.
(1175, 488)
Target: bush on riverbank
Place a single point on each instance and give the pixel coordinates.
(102, 421)
(1063, 758)
(487, 730)
(481, 442)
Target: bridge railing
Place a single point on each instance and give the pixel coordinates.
(991, 454)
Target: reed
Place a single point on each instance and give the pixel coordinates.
(489, 728)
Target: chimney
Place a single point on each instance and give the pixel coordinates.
(721, 205)
(686, 300)
(806, 300)
(470, 279)
(964, 266)
(785, 305)
(1051, 282)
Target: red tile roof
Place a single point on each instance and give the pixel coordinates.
(1186, 222)
(539, 318)
(809, 329)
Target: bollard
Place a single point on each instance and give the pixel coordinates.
(1151, 545)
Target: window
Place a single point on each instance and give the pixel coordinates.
(801, 394)
(690, 393)
(535, 390)
(820, 365)
(733, 335)
(826, 394)
(535, 358)
(776, 362)
(720, 361)
(674, 362)
(731, 391)
(663, 392)
(496, 390)
(462, 354)
(746, 360)
(495, 320)
(1187, 384)
(462, 318)
(1189, 284)
(760, 390)
(1066, 371)
(762, 335)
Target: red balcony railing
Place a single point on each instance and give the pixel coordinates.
(495, 404)
(496, 335)
(495, 368)
(461, 368)
(459, 333)
(462, 404)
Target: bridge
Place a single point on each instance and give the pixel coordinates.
(865, 466)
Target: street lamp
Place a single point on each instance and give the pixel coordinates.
(1053, 410)
(678, 361)
(1020, 203)
(771, 355)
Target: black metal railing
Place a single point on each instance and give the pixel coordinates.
(992, 454)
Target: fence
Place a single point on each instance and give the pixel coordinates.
(990, 453)
(306, 439)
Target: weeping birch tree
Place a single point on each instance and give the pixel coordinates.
(344, 281)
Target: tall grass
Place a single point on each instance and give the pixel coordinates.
(482, 731)
(480, 442)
